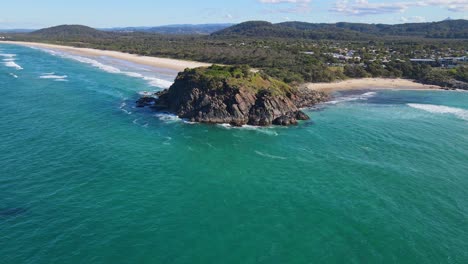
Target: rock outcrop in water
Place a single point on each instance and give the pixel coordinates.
(233, 95)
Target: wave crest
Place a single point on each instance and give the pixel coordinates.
(442, 109)
(9, 61)
(350, 98)
(53, 76)
(153, 81)
(13, 64)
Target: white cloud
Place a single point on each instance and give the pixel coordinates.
(292, 6)
(413, 19)
(452, 5)
(364, 7)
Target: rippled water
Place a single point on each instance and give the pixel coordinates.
(85, 177)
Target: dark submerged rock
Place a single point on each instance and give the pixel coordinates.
(301, 116)
(146, 101)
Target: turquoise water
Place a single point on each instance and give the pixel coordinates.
(376, 177)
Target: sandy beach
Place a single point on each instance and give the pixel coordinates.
(178, 65)
(370, 83)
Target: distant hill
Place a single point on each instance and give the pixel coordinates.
(16, 30)
(185, 29)
(448, 29)
(443, 29)
(69, 32)
(287, 30)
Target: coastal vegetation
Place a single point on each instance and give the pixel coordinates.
(297, 52)
(347, 31)
(237, 77)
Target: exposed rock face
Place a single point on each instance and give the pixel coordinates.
(189, 98)
(451, 84)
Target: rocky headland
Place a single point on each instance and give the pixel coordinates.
(233, 95)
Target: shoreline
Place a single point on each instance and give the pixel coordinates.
(173, 64)
(180, 65)
(370, 84)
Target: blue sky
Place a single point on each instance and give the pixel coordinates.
(111, 13)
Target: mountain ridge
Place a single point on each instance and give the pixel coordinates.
(180, 29)
(450, 29)
(69, 31)
(344, 30)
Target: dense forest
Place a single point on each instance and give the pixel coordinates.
(348, 31)
(297, 52)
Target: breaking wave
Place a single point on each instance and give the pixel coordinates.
(350, 98)
(153, 81)
(168, 117)
(9, 61)
(441, 109)
(7, 55)
(13, 64)
(53, 76)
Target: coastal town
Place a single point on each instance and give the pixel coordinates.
(436, 58)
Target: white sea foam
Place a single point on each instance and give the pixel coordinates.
(136, 122)
(95, 63)
(264, 130)
(228, 126)
(52, 76)
(146, 93)
(13, 64)
(441, 109)
(123, 108)
(9, 61)
(158, 82)
(270, 156)
(359, 97)
(168, 117)
(7, 55)
(153, 81)
(190, 122)
(247, 127)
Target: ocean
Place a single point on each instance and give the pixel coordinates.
(85, 177)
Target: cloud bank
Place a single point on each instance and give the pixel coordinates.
(364, 7)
